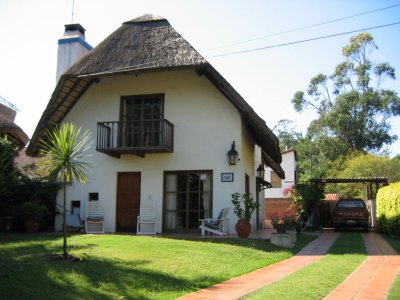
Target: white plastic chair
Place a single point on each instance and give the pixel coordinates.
(217, 226)
(94, 218)
(146, 221)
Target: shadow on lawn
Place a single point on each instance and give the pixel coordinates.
(32, 273)
(92, 279)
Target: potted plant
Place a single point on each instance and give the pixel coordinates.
(243, 212)
(278, 222)
(32, 214)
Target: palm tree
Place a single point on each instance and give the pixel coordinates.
(64, 149)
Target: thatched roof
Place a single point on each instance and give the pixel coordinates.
(147, 44)
(14, 133)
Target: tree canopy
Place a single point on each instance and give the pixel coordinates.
(353, 106)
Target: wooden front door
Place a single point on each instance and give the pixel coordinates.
(128, 201)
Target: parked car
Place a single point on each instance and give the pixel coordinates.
(351, 213)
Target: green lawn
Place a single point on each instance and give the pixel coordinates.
(123, 266)
(395, 290)
(320, 278)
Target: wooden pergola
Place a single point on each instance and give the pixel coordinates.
(373, 183)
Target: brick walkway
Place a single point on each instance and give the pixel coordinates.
(373, 279)
(245, 284)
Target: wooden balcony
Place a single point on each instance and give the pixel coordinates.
(135, 137)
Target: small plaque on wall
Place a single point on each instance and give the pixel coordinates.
(226, 177)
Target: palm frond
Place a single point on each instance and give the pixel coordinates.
(66, 149)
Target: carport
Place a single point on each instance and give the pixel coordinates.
(373, 184)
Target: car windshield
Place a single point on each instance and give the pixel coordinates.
(351, 204)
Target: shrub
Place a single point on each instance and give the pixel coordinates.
(388, 209)
(249, 206)
(17, 189)
(8, 176)
(31, 210)
(308, 195)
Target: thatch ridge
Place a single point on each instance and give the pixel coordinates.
(146, 18)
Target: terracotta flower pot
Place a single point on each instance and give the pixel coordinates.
(243, 228)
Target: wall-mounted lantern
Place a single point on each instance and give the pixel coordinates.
(260, 171)
(233, 155)
(261, 183)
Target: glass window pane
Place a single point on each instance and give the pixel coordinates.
(181, 201)
(194, 217)
(181, 220)
(194, 201)
(194, 182)
(181, 180)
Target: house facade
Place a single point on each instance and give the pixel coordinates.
(162, 120)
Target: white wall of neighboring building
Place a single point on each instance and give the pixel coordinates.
(205, 124)
(289, 166)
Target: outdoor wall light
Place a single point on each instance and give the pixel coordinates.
(233, 155)
(260, 171)
(261, 183)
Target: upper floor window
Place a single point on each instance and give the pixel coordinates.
(142, 107)
(141, 124)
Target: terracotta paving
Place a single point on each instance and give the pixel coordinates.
(370, 281)
(245, 284)
(373, 279)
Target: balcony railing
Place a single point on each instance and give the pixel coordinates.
(135, 137)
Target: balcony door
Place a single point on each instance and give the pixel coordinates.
(140, 118)
(187, 198)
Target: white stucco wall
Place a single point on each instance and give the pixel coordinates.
(289, 166)
(205, 124)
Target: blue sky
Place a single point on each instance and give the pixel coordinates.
(267, 79)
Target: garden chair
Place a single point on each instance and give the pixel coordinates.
(74, 222)
(94, 219)
(146, 221)
(217, 226)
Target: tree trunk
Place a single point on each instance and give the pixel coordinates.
(65, 247)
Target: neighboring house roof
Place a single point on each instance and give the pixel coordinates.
(147, 44)
(29, 165)
(332, 196)
(14, 133)
(7, 126)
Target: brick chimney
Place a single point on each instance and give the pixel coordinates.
(71, 47)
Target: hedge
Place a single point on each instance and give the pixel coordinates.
(388, 209)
